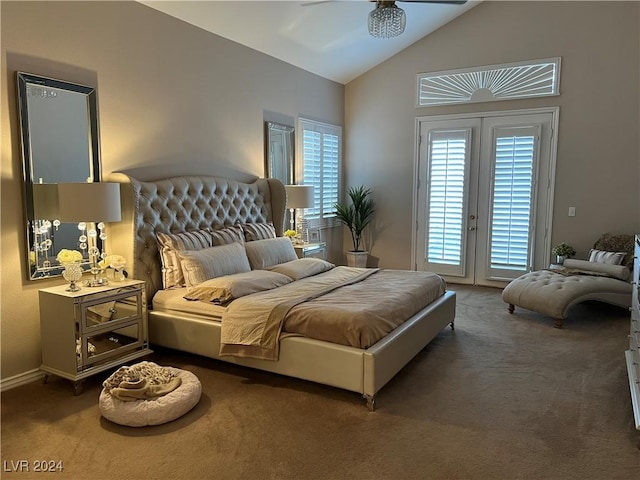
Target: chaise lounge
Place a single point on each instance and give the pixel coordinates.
(604, 277)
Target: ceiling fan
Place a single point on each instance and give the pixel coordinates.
(388, 20)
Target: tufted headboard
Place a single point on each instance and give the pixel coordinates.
(186, 203)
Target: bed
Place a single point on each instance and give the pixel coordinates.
(195, 203)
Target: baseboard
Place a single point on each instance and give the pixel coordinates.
(21, 379)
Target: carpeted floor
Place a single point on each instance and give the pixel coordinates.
(501, 397)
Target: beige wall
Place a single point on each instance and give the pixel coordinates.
(168, 93)
(598, 161)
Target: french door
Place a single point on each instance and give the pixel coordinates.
(484, 191)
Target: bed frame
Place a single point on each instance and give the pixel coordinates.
(193, 202)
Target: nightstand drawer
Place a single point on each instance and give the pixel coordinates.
(102, 346)
(101, 313)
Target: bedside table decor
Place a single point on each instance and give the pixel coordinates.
(299, 197)
(88, 203)
(72, 273)
(115, 264)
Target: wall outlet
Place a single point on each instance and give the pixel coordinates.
(572, 211)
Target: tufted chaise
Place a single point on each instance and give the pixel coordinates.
(553, 292)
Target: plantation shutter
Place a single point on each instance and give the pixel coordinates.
(513, 199)
(321, 158)
(448, 163)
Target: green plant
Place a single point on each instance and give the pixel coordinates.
(563, 250)
(358, 214)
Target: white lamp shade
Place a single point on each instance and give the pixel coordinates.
(45, 201)
(89, 202)
(299, 196)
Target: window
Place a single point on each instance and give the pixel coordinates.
(536, 78)
(448, 159)
(513, 180)
(319, 164)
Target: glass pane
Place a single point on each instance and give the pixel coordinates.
(512, 202)
(446, 198)
(321, 167)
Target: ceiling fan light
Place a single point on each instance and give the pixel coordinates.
(386, 20)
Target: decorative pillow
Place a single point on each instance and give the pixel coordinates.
(226, 235)
(617, 242)
(224, 289)
(201, 265)
(302, 267)
(598, 268)
(171, 243)
(258, 231)
(272, 251)
(610, 258)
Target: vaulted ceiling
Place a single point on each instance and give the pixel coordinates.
(328, 38)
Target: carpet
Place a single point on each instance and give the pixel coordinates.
(501, 397)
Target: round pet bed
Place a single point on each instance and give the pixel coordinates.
(166, 408)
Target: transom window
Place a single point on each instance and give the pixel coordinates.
(535, 78)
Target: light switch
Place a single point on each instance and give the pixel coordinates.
(572, 211)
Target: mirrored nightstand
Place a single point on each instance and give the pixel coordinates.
(92, 330)
(311, 250)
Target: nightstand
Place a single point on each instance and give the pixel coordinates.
(311, 250)
(92, 330)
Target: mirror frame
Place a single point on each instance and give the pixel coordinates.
(288, 132)
(24, 81)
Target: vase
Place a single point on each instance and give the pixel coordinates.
(118, 275)
(560, 259)
(72, 273)
(357, 259)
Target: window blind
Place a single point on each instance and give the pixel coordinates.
(512, 202)
(321, 146)
(448, 153)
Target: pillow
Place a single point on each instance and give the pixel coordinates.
(201, 265)
(302, 267)
(171, 243)
(224, 289)
(272, 251)
(227, 235)
(615, 271)
(258, 231)
(610, 258)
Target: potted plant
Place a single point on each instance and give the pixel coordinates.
(562, 251)
(356, 217)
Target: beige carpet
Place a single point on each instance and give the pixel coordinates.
(502, 397)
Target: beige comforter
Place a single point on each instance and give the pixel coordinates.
(346, 305)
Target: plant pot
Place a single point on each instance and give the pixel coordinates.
(560, 259)
(357, 259)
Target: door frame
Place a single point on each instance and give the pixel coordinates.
(553, 150)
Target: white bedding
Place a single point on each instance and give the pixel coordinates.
(172, 300)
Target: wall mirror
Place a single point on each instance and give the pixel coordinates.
(59, 130)
(279, 152)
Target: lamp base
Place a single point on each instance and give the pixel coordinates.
(96, 282)
(98, 279)
(302, 225)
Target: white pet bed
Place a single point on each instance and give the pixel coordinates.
(166, 408)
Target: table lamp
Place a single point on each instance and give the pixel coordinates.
(91, 205)
(299, 197)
